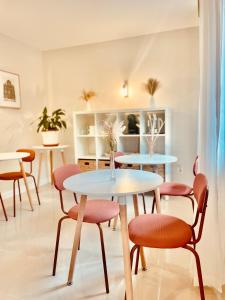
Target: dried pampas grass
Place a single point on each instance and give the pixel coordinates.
(87, 95)
(152, 86)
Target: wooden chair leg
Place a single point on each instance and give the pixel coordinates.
(36, 188)
(57, 244)
(103, 258)
(18, 181)
(144, 205)
(14, 198)
(3, 208)
(198, 265)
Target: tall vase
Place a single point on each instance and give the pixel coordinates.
(88, 105)
(150, 145)
(112, 165)
(152, 101)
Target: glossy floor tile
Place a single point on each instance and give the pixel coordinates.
(26, 256)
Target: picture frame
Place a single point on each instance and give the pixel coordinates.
(9, 90)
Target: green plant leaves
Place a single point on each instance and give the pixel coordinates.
(53, 122)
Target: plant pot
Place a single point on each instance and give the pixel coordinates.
(50, 138)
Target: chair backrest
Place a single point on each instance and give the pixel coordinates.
(61, 173)
(31, 156)
(200, 190)
(195, 166)
(117, 154)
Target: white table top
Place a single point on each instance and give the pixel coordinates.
(99, 182)
(146, 159)
(13, 155)
(41, 147)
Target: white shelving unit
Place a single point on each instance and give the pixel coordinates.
(89, 141)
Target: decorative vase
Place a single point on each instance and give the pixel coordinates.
(50, 138)
(112, 165)
(150, 145)
(88, 105)
(152, 101)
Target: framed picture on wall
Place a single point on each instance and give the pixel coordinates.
(9, 89)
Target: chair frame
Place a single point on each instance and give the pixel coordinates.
(191, 246)
(3, 208)
(101, 236)
(28, 174)
(189, 196)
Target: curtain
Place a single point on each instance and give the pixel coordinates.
(211, 138)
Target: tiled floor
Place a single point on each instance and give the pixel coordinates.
(26, 255)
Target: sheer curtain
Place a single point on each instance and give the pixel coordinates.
(211, 138)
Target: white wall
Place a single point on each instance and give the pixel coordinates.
(15, 128)
(171, 57)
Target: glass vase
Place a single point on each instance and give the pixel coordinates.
(112, 165)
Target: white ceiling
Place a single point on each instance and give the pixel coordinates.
(52, 24)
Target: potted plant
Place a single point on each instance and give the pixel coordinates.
(50, 125)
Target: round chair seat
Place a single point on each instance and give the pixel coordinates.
(159, 231)
(12, 175)
(96, 211)
(175, 189)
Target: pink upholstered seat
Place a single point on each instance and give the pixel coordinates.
(96, 211)
(175, 189)
(178, 189)
(159, 231)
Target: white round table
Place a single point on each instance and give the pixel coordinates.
(100, 183)
(146, 159)
(49, 149)
(4, 156)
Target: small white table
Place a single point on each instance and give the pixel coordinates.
(146, 159)
(49, 149)
(99, 183)
(18, 156)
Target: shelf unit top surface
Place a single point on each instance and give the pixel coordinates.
(129, 110)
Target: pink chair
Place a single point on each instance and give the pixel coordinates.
(178, 189)
(96, 212)
(167, 232)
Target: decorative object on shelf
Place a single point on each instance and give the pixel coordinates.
(49, 125)
(151, 87)
(155, 126)
(9, 90)
(133, 124)
(91, 130)
(112, 132)
(87, 96)
(125, 91)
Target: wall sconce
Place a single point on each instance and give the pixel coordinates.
(125, 89)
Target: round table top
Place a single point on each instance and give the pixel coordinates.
(41, 147)
(146, 159)
(13, 155)
(126, 182)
